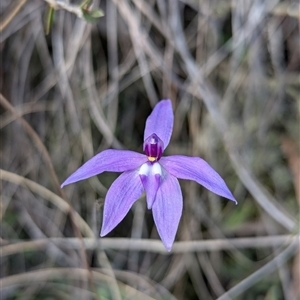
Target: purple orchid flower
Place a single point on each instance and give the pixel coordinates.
(152, 173)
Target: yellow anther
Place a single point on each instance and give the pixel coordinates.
(151, 158)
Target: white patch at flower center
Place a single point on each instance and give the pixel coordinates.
(150, 169)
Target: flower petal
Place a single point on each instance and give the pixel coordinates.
(124, 191)
(161, 122)
(195, 168)
(150, 175)
(167, 210)
(108, 160)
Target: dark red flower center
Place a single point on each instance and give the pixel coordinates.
(153, 147)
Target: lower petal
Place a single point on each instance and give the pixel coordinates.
(167, 210)
(150, 175)
(151, 185)
(124, 191)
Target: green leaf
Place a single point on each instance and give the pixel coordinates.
(50, 19)
(93, 15)
(86, 4)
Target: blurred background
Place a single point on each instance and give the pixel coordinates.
(81, 77)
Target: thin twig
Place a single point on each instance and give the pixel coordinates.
(264, 271)
(36, 139)
(49, 195)
(60, 4)
(154, 246)
(9, 18)
(212, 102)
(46, 275)
(63, 206)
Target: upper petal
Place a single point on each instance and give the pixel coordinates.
(108, 160)
(161, 122)
(195, 168)
(124, 191)
(167, 210)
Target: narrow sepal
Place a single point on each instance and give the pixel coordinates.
(167, 210)
(124, 191)
(197, 169)
(108, 160)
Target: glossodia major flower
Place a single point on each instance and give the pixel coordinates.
(153, 173)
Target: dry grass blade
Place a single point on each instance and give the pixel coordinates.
(212, 100)
(155, 246)
(12, 14)
(36, 140)
(231, 70)
(256, 276)
(69, 274)
(50, 196)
